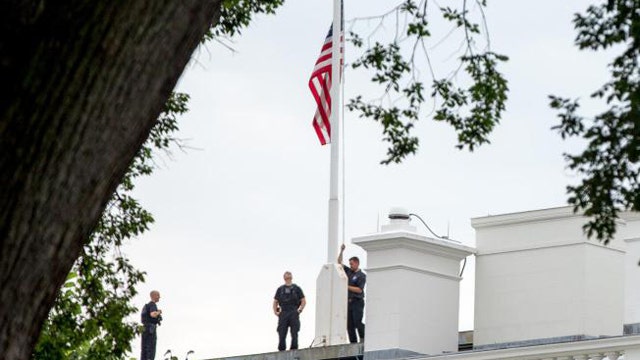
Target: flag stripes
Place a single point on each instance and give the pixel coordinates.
(320, 86)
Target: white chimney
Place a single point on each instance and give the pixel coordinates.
(539, 277)
(412, 291)
(629, 232)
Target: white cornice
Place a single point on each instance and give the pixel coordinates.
(541, 215)
(551, 245)
(414, 269)
(550, 351)
(524, 217)
(413, 241)
(630, 215)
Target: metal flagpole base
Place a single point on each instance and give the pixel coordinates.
(331, 306)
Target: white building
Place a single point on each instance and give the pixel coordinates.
(543, 290)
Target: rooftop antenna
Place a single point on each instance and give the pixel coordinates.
(448, 225)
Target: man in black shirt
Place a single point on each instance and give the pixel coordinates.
(151, 318)
(288, 303)
(355, 308)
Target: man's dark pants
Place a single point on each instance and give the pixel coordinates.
(149, 338)
(355, 311)
(288, 319)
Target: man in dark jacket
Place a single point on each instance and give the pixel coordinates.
(355, 308)
(288, 303)
(151, 318)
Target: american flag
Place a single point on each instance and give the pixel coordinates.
(320, 85)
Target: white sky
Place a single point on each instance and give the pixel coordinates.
(250, 201)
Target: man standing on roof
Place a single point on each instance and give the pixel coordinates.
(355, 308)
(288, 303)
(151, 318)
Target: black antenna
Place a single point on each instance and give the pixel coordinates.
(448, 226)
(428, 228)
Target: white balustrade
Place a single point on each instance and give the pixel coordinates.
(613, 355)
(613, 348)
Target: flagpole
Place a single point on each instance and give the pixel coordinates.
(334, 199)
(331, 284)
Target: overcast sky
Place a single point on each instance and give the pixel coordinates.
(249, 200)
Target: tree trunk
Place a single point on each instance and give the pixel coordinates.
(85, 82)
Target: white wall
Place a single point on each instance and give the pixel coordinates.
(604, 291)
(630, 232)
(632, 282)
(538, 276)
(383, 311)
(437, 326)
(402, 313)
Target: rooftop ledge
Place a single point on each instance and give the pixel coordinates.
(524, 217)
(541, 215)
(583, 349)
(411, 240)
(346, 351)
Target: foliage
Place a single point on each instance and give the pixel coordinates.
(237, 14)
(89, 318)
(610, 164)
(472, 110)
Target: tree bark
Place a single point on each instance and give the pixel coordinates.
(85, 82)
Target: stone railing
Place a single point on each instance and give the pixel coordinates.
(614, 348)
